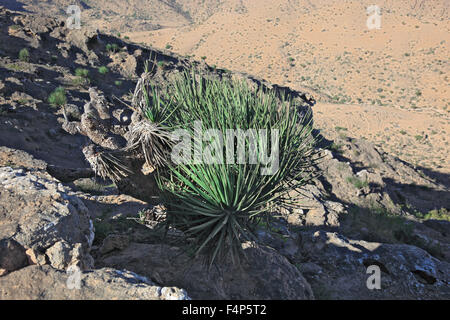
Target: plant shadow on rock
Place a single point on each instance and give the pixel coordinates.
(14, 5)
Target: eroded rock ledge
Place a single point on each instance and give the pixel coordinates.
(46, 235)
(44, 282)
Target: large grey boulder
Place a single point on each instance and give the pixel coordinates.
(43, 217)
(336, 267)
(264, 274)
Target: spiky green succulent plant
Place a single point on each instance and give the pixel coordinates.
(219, 205)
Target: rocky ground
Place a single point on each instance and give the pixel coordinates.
(368, 207)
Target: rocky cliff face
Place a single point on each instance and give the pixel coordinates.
(367, 209)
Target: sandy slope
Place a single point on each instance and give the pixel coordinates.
(420, 138)
(328, 48)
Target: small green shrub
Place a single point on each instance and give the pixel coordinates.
(24, 55)
(79, 81)
(22, 101)
(3, 111)
(103, 70)
(58, 97)
(16, 67)
(357, 183)
(338, 128)
(118, 83)
(82, 77)
(441, 214)
(112, 47)
(382, 224)
(14, 27)
(80, 72)
(335, 147)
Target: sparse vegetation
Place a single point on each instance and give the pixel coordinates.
(357, 182)
(14, 28)
(82, 76)
(91, 186)
(16, 67)
(58, 97)
(338, 128)
(24, 55)
(105, 226)
(103, 70)
(22, 101)
(80, 72)
(3, 110)
(381, 224)
(335, 147)
(112, 47)
(441, 214)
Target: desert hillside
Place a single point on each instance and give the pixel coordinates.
(89, 199)
(388, 85)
